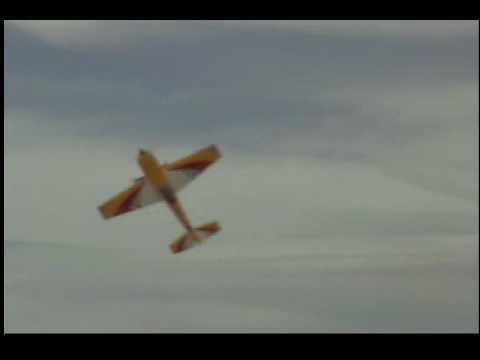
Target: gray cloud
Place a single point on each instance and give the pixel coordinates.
(96, 33)
(348, 188)
(124, 290)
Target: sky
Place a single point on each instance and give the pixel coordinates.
(347, 190)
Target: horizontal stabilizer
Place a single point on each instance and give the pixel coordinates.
(200, 235)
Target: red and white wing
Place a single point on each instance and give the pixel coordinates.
(142, 193)
(183, 171)
(137, 196)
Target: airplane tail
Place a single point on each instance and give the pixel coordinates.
(198, 236)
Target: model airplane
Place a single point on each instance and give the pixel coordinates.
(162, 182)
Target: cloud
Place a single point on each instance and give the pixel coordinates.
(125, 290)
(273, 268)
(86, 33)
(347, 191)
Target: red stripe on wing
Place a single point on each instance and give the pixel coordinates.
(177, 247)
(127, 205)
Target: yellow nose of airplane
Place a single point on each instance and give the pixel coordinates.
(141, 152)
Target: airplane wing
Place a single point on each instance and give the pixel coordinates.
(142, 193)
(183, 171)
(137, 196)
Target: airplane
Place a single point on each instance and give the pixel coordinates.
(162, 182)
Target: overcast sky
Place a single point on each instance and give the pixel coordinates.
(348, 190)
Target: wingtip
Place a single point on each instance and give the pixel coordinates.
(216, 149)
(102, 212)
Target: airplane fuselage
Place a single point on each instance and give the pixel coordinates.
(154, 171)
(157, 174)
